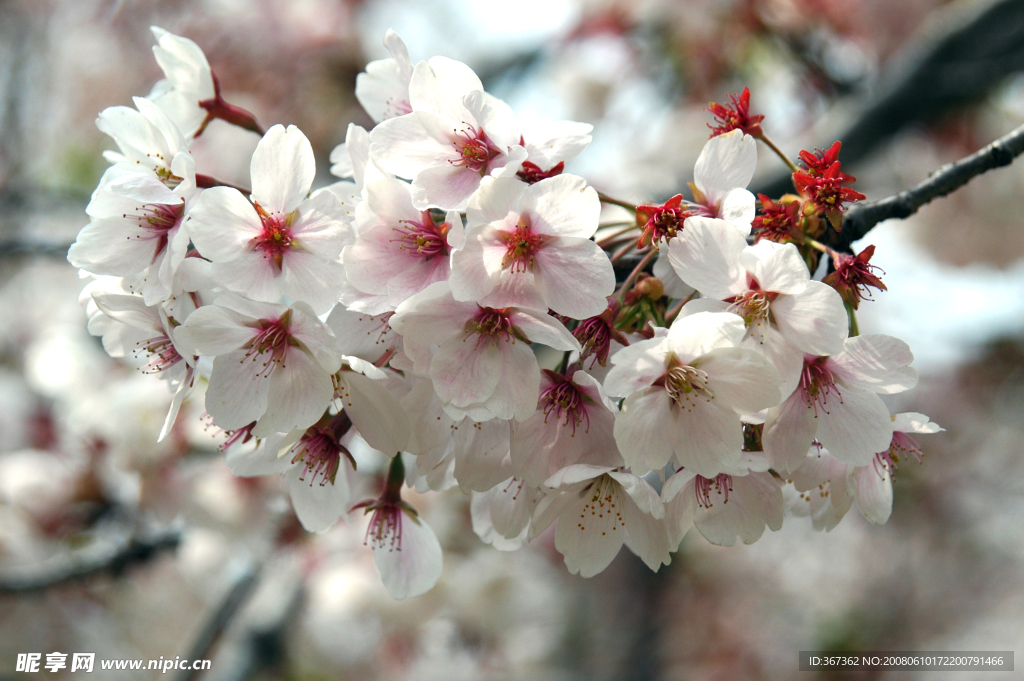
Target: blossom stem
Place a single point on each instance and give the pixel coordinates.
(785, 159)
(613, 237)
(616, 202)
(396, 478)
(207, 181)
(854, 327)
(636, 273)
(621, 253)
(671, 315)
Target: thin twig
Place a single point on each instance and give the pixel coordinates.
(80, 565)
(616, 202)
(207, 181)
(220, 617)
(636, 273)
(861, 218)
(778, 152)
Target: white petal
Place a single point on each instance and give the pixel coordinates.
(562, 206)
(237, 394)
(317, 506)
(698, 334)
(376, 413)
(282, 169)
(913, 422)
(413, 569)
(743, 378)
(706, 255)
(300, 391)
(788, 432)
(213, 330)
(777, 267)
(726, 162)
(544, 329)
(645, 429)
(222, 223)
(855, 427)
(877, 363)
(755, 500)
(574, 276)
(873, 486)
(814, 320)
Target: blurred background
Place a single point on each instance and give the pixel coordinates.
(206, 565)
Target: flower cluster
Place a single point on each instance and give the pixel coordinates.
(453, 300)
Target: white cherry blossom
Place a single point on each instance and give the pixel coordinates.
(280, 244)
(383, 89)
(456, 135)
(684, 393)
(530, 246)
(187, 81)
(837, 403)
(483, 367)
(272, 363)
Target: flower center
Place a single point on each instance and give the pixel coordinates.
(564, 399)
(276, 237)
(721, 483)
(600, 501)
(685, 385)
(385, 530)
(169, 179)
(320, 455)
(817, 383)
(474, 149)
(423, 239)
(903, 447)
(491, 324)
(242, 435)
(156, 221)
(162, 354)
(270, 345)
(521, 245)
(755, 308)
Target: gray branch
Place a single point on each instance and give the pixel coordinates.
(862, 217)
(86, 563)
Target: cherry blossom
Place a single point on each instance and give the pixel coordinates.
(484, 367)
(188, 80)
(383, 89)
(399, 250)
(574, 423)
(684, 393)
(280, 244)
(502, 515)
(598, 509)
(148, 140)
(837, 403)
(549, 146)
(768, 285)
(529, 246)
(272, 363)
(456, 135)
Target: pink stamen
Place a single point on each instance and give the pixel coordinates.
(491, 324)
(156, 220)
(273, 340)
(521, 245)
(817, 382)
(423, 239)
(385, 530)
(276, 237)
(566, 401)
(320, 454)
(162, 354)
(475, 150)
(722, 484)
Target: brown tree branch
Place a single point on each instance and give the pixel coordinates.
(862, 217)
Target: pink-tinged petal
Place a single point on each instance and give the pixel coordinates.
(417, 277)
(562, 206)
(913, 422)
(376, 413)
(544, 329)
(822, 480)
(706, 255)
(708, 437)
(725, 163)
(788, 432)
(432, 316)
(382, 91)
(641, 493)
(698, 334)
(282, 169)
(317, 506)
(402, 146)
(590, 543)
(873, 491)
(494, 201)
(390, 200)
(674, 286)
(361, 335)
(266, 459)
(577, 473)
(647, 536)
(511, 507)
(315, 336)
(312, 280)
(415, 569)
(438, 86)
(222, 223)
(483, 523)
(300, 391)
(479, 267)
(677, 484)
(494, 117)
(574, 277)
(465, 374)
(855, 427)
(552, 505)
(481, 453)
(445, 186)
(814, 320)
(250, 308)
(549, 143)
(130, 310)
(787, 359)
(237, 394)
(776, 267)
(112, 246)
(738, 208)
(592, 388)
(743, 378)
(680, 509)
(518, 388)
(143, 189)
(251, 274)
(184, 390)
(637, 366)
(213, 330)
(374, 260)
(645, 429)
(875, 362)
(321, 227)
(754, 501)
